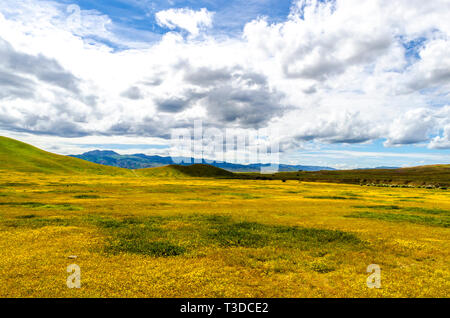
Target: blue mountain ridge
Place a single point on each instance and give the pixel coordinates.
(138, 161)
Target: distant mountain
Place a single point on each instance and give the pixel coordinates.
(139, 161)
(383, 167)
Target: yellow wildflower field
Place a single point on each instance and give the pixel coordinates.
(152, 237)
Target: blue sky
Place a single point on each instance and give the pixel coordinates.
(345, 83)
(229, 19)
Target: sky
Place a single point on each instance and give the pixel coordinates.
(339, 83)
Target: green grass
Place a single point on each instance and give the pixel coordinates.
(27, 216)
(139, 235)
(18, 184)
(326, 197)
(35, 222)
(87, 196)
(391, 217)
(382, 207)
(40, 205)
(169, 188)
(321, 267)
(245, 234)
(405, 209)
(427, 211)
(350, 194)
(244, 196)
(23, 204)
(139, 243)
(152, 236)
(19, 156)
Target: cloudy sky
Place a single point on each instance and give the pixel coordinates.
(345, 83)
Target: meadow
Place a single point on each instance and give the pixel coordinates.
(136, 235)
(430, 176)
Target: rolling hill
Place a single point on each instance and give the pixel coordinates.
(176, 171)
(138, 161)
(22, 157)
(18, 156)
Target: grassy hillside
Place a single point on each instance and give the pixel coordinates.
(175, 171)
(19, 156)
(436, 175)
(22, 157)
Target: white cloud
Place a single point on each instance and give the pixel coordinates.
(332, 72)
(433, 69)
(187, 19)
(442, 142)
(412, 127)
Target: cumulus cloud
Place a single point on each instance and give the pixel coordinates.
(14, 86)
(442, 142)
(323, 39)
(175, 104)
(344, 71)
(249, 107)
(433, 68)
(204, 76)
(413, 127)
(190, 20)
(133, 93)
(39, 67)
(230, 95)
(36, 91)
(340, 127)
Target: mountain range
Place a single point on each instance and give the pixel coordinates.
(139, 161)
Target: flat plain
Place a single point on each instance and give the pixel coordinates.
(140, 236)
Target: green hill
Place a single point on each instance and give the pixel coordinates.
(19, 156)
(436, 175)
(175, 171)
(22, 157)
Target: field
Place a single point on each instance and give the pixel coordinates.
(136, 235)
(431, 176)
